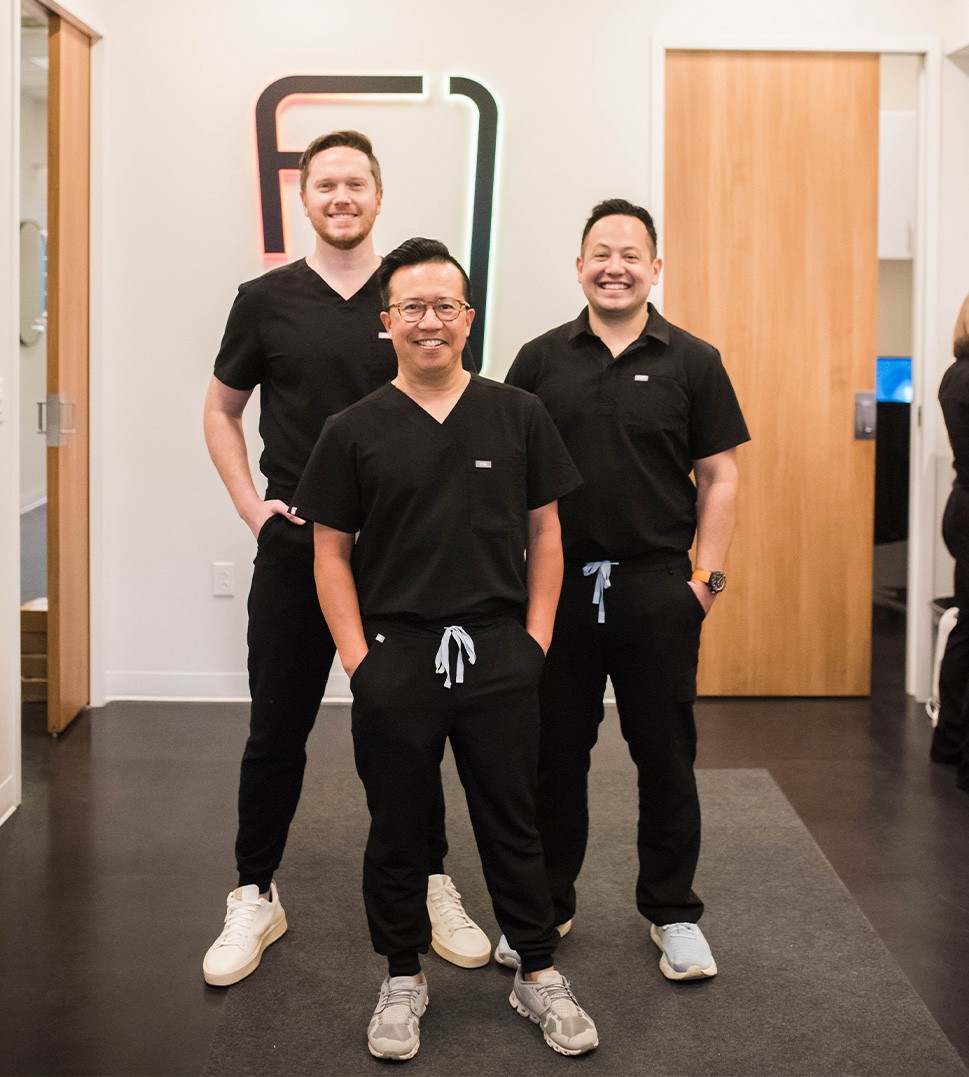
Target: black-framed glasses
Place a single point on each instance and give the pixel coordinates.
(412, 310)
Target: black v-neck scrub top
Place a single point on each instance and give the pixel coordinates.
(311, 352)
(634, 424)
(441, 508)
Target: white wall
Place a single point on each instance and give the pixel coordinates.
(181, 229)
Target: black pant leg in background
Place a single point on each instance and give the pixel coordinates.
(570, 701)
(950, 740)
(653, 631)
(649, 646)
(290, 654)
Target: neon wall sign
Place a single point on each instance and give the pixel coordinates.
(273, 162)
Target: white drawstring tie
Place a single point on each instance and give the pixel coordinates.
(442, 661)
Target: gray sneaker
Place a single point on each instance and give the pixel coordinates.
(549, 1002)
(686, 953)
(508, 957)
(395, 1028)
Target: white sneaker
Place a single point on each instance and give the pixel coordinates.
(454, 935)
(395, 1028)
(251, 924)
(686, 953)
(550, 1004)
(508, 957)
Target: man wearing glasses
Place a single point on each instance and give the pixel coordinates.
(309, 335)
(445, 479)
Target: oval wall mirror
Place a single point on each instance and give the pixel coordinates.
(33, 282)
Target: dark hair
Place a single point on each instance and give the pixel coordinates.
(415, 252)
(619, 207)
(353, 140)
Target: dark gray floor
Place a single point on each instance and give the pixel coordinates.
(793, 948)
(117, 864)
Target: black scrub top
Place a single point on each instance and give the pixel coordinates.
(311, 352)
(954, 398)
(441, 508)
(634, 424)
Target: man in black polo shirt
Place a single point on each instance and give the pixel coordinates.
(445, 478)
(640, 405)
(309, 335)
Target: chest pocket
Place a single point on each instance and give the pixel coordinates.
(654, 403)
(496, 491)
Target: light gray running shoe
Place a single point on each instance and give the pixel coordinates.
(686, 953)
(549, 1002)
(508, 957)
(395, 1028)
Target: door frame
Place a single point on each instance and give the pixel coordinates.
(923, 512)
(11, 788)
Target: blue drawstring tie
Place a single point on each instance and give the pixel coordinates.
(602, 568)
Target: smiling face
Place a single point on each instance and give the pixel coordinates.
(431, 347)
(618, 267)
(341, 198)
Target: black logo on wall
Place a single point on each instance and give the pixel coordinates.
(273, 160)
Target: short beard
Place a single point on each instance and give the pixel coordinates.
(343, 243)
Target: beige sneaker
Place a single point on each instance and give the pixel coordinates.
(251, 924)
(454, 935)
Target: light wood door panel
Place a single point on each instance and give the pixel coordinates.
(68, 216)
(771, 254)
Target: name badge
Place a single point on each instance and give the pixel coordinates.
(640, 377)
(482, 463)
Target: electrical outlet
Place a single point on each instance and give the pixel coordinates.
(223, 578)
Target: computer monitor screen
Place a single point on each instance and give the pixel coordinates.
(893, 379)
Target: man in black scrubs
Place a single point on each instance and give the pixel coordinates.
(309, 335)
(445, 478)
(640, 405)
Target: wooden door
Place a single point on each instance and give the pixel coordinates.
(771, 254)
(68, 219)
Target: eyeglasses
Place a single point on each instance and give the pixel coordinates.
(412, 310)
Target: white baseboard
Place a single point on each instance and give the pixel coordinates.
(198, 687)
(214, 687)
(8, 803)
(32, 499)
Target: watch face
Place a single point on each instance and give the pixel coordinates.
(717, 582)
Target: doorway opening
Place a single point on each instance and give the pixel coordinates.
(899, 92)
(34, 32)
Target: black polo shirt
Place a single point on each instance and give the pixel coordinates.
(441, 508)
(311, 352)
(634, 425)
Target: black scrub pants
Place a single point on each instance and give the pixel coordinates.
(290, 654)
(950, 740)
(649, 645)
(402, 716)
